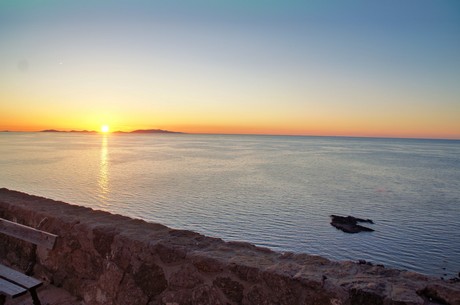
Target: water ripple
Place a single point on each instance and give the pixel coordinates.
(276, 192)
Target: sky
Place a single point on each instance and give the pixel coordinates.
(343, 68)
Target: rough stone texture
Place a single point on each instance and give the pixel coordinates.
(232, 289)
(49, 295)
(102, 258)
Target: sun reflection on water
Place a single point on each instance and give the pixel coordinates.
(103, 179)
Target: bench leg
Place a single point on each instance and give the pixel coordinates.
(34, 295)
(2, 299)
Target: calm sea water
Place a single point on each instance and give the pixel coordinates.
(272, 191)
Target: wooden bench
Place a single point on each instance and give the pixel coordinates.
(12, 282)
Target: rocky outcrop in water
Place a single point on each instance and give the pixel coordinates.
(349, 224)
(111, 259)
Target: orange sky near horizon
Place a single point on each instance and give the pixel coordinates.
(345, 113)
(379, 126)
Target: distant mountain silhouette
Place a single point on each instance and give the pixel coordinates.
(75, 131)
(153, 131)
(142, 131)
(84, 131)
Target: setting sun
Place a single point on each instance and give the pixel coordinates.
(105, 128)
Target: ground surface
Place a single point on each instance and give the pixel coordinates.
(48, 295)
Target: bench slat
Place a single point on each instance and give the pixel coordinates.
(26, 233)
(11, 289)
(18, 278)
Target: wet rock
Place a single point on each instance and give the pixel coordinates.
(349, 224)
(364, 262)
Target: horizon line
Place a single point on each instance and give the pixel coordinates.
(163, 131)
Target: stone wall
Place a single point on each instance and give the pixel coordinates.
(110, 259)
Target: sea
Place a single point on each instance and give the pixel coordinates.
(272, 191)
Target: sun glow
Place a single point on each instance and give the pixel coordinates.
(105, 128)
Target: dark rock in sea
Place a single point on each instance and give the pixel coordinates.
(364, 262)
(349, 224)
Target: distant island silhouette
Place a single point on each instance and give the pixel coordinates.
(138, 131)
(149, 131)
(79, 131)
